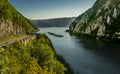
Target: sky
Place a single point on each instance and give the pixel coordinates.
(46, 9)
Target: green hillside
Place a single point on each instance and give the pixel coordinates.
(100, 21)
(36, 57)
(12, 22)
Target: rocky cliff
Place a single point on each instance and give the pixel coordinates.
(12, 22)
(102, 20)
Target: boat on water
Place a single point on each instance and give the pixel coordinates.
(56, 35)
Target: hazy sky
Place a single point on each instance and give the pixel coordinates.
(45, 9)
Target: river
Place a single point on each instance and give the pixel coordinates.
(86, 56)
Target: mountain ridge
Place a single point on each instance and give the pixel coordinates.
(55, 22)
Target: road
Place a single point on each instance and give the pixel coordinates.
(9, 41)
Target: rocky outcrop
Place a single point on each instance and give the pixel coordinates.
(12, 22)
(7, 28)
(102, 20)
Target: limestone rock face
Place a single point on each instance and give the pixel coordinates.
(12, 22)
(102, 20)
(7, 28)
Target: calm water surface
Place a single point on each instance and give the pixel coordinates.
(86, 56)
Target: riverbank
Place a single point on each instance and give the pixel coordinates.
(92, 36)
(36, 56)
(61, 59)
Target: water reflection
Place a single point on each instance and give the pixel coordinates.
(106, 49)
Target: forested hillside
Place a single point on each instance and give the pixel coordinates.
(37, 57)
(101, 21)
(12, 22)
(56, 22)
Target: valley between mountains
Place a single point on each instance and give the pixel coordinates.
(86, 44)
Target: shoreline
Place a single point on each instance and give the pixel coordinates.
(62, 60)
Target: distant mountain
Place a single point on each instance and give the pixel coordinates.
(56, 22)
(101, 21)
(12, 22)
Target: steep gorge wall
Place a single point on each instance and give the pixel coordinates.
(7, 28)
(12, 22)
(102, 20)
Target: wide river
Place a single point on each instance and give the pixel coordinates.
(86, 56)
